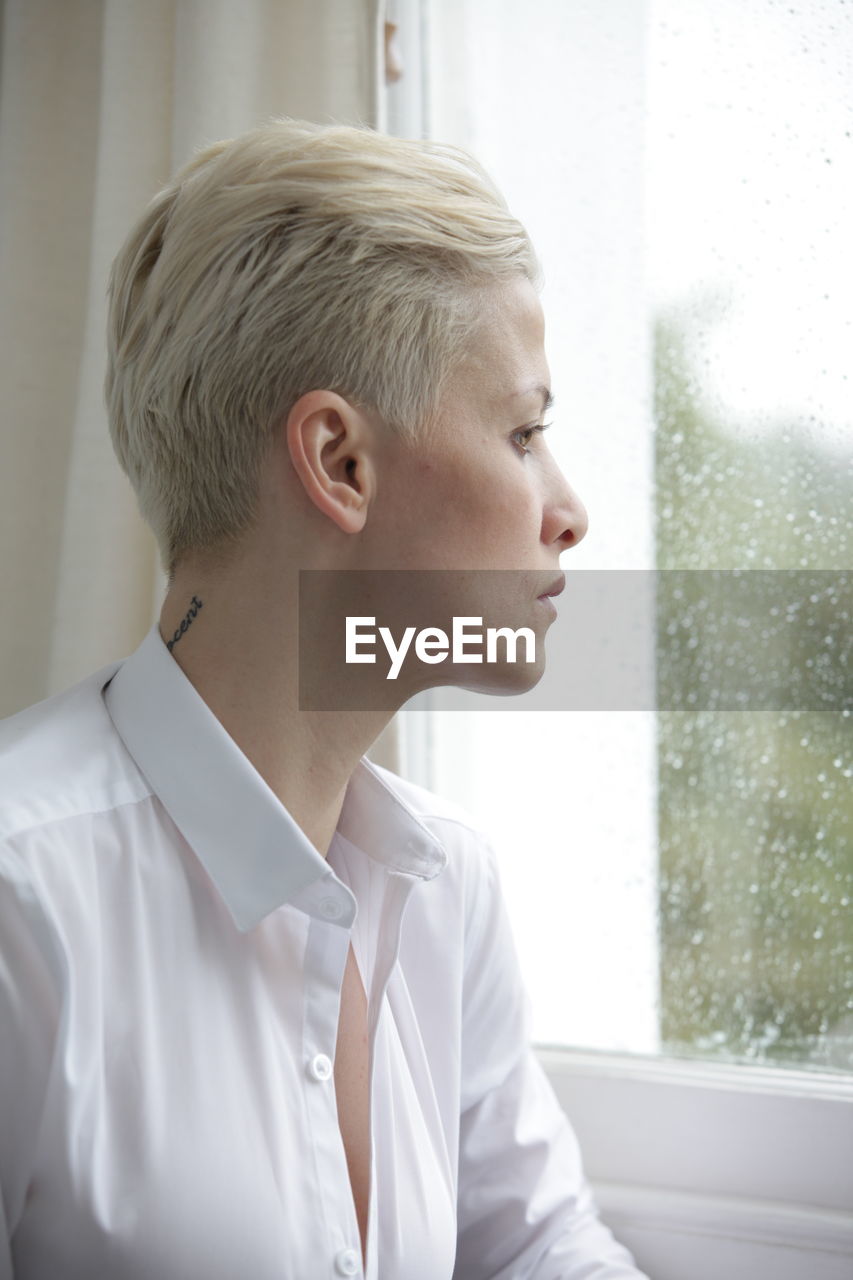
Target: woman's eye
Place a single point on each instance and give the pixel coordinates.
(523, 437)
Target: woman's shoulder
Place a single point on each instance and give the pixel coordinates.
(59, 757)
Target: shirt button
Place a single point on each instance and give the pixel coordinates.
(331, 908)
(320, 1067)
(347, 1263)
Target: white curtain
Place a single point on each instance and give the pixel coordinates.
(100, 101)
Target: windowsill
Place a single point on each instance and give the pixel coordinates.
(742, 1077)
(709, 1129)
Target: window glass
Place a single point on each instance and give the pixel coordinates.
(749, 166)
(679, 882)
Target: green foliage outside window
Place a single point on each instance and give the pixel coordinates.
(755, 806)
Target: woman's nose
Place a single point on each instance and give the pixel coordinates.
(566, 520)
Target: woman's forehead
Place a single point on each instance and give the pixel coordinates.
(505, 355)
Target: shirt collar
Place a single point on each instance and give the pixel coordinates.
(256, 854)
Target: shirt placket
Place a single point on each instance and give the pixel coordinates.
(331, 909)
(386, 943)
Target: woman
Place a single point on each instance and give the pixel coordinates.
(260, 1012)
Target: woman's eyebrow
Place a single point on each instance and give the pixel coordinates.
(540, 389)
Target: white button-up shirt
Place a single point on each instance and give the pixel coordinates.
(172, 949)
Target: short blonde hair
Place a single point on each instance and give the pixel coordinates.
(295, 257)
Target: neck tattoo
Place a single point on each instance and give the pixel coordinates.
(195, 605)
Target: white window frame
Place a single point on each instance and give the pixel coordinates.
(704, 1169)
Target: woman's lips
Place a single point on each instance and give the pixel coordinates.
(555, 588)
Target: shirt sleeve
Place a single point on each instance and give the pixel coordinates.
(525, 1209)
(29, 1015)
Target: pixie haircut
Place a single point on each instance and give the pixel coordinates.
(292, 258)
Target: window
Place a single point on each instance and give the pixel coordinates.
(684, 168)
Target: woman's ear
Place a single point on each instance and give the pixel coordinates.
(330, 444)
